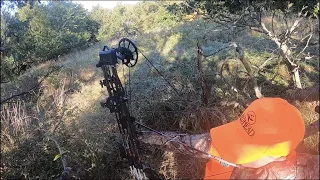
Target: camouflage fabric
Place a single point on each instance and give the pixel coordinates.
(303, 166)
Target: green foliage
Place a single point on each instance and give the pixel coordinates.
(18, 3)
(38, 32)
(316, 10)
(43, 32)
(141, 18)
(58, 156)
(217, 8)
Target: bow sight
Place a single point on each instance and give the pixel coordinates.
(126, 51)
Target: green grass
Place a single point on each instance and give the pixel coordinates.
(88, 131)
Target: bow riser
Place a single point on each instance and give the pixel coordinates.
(117, 102)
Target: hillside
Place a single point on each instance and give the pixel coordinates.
(64, 111)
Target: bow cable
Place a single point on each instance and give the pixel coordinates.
(120, 104)
(173, 139)
(160, 74)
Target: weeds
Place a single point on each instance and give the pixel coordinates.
(68, 104)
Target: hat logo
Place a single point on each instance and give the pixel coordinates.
(247, 120)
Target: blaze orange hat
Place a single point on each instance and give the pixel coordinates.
(268, 127)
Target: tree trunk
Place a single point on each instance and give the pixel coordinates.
(287, 54)
(296, 77)
(206, 85)
(248, 68)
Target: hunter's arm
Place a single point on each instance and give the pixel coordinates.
(306, 166)
(198, 141)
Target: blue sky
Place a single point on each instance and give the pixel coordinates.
(87, 4)
(106, 4)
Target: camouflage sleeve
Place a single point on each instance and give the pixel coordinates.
(306, 166)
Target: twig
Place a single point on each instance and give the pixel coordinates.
(272, 22)
(223, 78)
(296, 23)
(265, 63)
(66, 169)
(233, 89)
(306, 45)
(247, 67)
(200, 58)
(31, 89)
(51, 137)
(258, 30)
(284, 48)
(211, 54)
(60, 121)
(285, 19)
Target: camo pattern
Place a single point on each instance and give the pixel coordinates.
(304, 166)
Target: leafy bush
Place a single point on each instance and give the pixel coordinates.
(42, 32)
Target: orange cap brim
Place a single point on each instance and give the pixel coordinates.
(228, 143)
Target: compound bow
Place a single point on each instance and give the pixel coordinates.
(117, 102)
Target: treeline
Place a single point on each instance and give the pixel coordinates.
(136, 19)
(40, 31)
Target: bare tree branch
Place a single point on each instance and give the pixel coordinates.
(33, 88)
(265, 63)
(248, 68)
(213, 53)
(200, 58)
(232, 89)
(287, 54)
(272, 22)
(296, 22)
(310, 36)
(258, 30)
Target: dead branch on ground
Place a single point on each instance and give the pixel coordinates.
(307, 94)
(66, 168)
(33, 88)
(312, 129)
(198, 141)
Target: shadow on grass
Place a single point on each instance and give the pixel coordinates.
(32, 158)
(92, 136)
(156, 103)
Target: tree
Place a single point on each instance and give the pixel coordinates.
(132, 20)
(40, 32)
(250, 14)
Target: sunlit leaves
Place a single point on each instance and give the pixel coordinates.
(42, 31)
(58, 156)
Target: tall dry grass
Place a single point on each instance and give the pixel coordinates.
(14, 121)
(69, 100)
